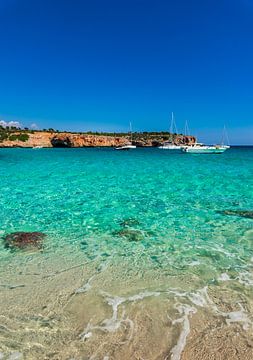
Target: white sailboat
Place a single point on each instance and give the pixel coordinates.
(169, 145)
(129, 145)
(225, 138)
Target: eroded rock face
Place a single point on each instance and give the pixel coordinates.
(243, 213)
(24, 240)
(49, 139)
(61, 141)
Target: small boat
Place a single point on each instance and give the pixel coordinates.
(38, 147)
(129, 145)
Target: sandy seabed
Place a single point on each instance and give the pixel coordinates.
(58, 307)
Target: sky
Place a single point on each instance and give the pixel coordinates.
(96, 65)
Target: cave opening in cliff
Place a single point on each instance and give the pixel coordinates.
(61, 142)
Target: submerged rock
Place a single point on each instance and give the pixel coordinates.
(24, 240)
(131, 234)
(243, 213)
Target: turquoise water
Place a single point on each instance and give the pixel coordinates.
(84, 193)
(159, 212)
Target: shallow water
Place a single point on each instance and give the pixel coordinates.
(139, 260)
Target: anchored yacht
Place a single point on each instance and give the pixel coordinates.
(199, 148)
(205, 149)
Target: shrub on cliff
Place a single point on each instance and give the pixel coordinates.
(3, 136)
(20, 137)
(13, 137)
(23, 137)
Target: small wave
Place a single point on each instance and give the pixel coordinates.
(194, 263)
(185, 310)
(113, 324)
(16, 355)
(87, 286)
(245, 278)
(239, 316)
(187, 305)
(224, 277)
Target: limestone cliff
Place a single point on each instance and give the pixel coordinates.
(63, 139)
(53, 139)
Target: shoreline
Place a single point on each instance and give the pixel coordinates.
(96, 147)
(46, 139)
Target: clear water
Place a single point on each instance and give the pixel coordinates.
(143, 222)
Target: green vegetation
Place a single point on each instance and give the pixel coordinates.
(20, 137)
(13, 134)
(145, 135)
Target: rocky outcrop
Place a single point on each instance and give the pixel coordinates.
(184, 140)
(159, 140)
(24, 240)
(64, 139)
(84, 140)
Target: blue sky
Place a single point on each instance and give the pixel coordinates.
(96, 65)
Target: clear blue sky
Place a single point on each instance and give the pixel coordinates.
(96, 65)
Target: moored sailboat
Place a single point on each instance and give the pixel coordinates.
(169, 145)
(129, 145)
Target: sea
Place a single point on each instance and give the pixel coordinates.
(148, 254)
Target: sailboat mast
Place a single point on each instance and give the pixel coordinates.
(174, 123)
(224, 136)
(171, 123)
(130, 127)
(186, 129)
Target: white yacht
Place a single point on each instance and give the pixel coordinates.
(199, 148)
(129, 145)
(205, 149)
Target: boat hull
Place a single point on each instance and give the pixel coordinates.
(207, 150)
(126, 147)
(175, 147)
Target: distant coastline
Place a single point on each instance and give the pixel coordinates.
(25, 138)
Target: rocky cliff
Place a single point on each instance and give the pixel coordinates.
(47, 139)
(57, 139)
